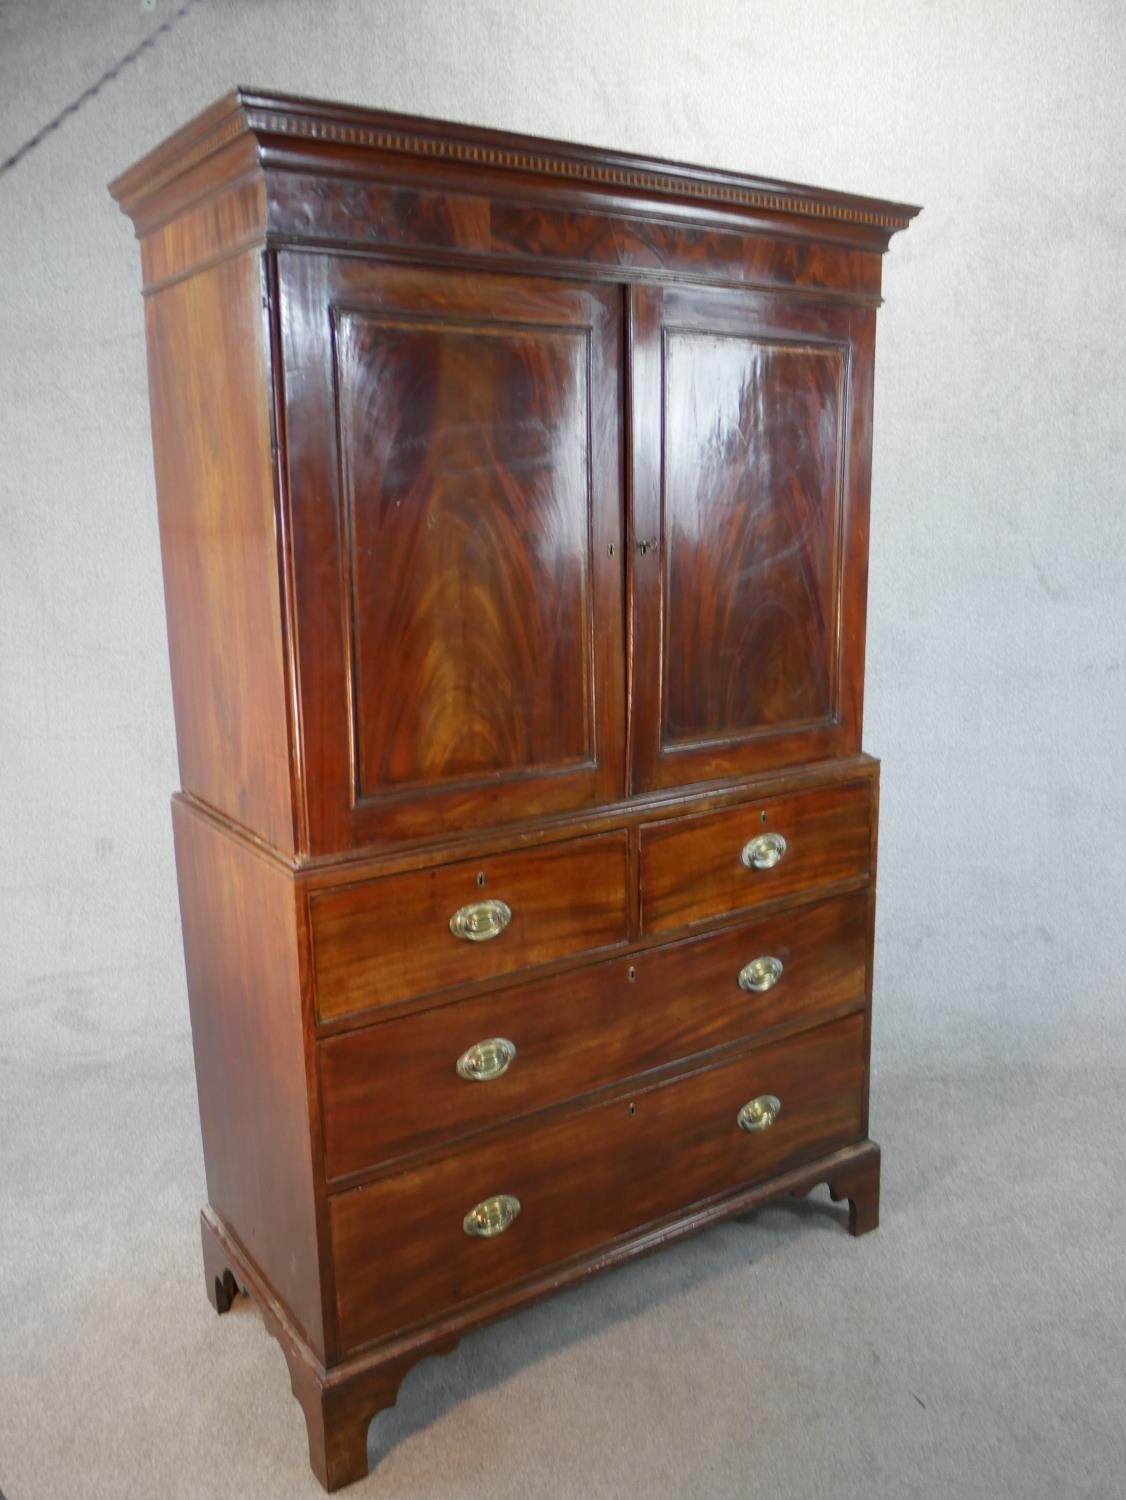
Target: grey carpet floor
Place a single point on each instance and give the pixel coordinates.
(974, 1346)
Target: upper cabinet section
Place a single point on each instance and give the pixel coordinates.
(454, 481)
(500, 478)
(751, 447)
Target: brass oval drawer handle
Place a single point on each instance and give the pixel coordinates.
(486, 1060)
(760, 974)
(764, 852)
(760, 1113)
(491, 1216)
(480, 920)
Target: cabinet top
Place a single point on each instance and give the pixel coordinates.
(251, 129)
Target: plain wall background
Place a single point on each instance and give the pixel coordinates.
(997, 629)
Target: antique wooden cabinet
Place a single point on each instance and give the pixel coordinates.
(514, 510)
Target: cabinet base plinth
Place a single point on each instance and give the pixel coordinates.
(340, 1401)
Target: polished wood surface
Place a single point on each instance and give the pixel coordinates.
(459, 586)
(692, 868)
(221, 225)
(209, 381)
(644, 241)
(751, 525)
(749, 583)
(242, 952)
(587, 1177)
(388, 940)
(394, 1088)
(467, 482)
(514, 512)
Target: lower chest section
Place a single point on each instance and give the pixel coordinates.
(526, 1060)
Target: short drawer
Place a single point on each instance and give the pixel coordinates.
(409, 1247)
(406, 935)
(697, 869)
(431, 1077)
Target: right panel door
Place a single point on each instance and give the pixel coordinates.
(751, 427)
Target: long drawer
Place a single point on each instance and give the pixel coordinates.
(396, 1086)
(408, 1245)
(696, 869)
(402, 936)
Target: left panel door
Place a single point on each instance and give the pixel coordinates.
(454, 477)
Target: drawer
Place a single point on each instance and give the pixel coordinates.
(395, 1087)
(393, 938)
(696, 869)
(401, 1248)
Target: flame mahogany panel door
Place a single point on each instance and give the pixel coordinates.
(453, 446)
(751, 421)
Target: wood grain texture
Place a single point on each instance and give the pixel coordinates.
(387, 940)
(586, 1177)
(692, 869)
(467, 494)
(393, 1088)
(459, 603)
(221, 226)
(239, 916)
(752, 444)
(749, 492)
(453, 224)
(209, 389)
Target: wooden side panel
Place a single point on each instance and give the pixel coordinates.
(244, 988)
(207, 231)
(400, 1247)
(209, 385)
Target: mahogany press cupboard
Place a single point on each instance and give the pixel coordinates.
(514, 511)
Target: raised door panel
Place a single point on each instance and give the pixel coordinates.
(454, 469)
(751, 457)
